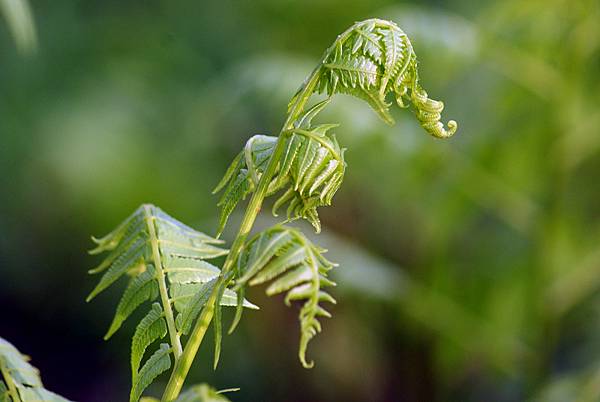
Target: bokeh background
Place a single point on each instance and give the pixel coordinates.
(469, 268)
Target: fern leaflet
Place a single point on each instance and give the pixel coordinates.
(166, 261)
(293, 264)
(310, 172)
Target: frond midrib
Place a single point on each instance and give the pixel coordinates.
(162, 284)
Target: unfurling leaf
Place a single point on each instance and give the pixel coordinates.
(374, 59)
(294, 265)
(308, 175)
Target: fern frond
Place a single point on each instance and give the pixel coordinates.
(310, 172)
(243, 174)
(375, 58)
(203, 393)
(19, 380)
(167, 262)
(295, 266)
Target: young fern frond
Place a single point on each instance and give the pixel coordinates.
(293, 264)
(167, 261)
(371, 60)
(310, 171)
(19, 380)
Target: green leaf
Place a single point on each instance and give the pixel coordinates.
(4, 394)
(154, 250)
(312, 166)
(237, 190)
(141, 288)
(203, 393)
(373, 59)
(128, 260)
(157, 364)
(152, 327)
(218, 328)
(19, 380)
(195, 299)
(286, 257)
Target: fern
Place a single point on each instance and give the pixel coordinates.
(309, 173)
(198, 393)
(203, 393)
(286, 257)
(303, 167)
(373, 59)
(165, 260)
(21, 381)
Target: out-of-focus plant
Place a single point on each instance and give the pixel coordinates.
(166, 260)
(19, 380)
(18, 16)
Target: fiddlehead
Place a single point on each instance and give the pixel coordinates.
(308, 175)
(372, 60)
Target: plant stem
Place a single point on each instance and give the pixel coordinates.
(162, 285)
(182, 365)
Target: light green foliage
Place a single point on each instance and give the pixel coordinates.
(167, 261)
(375, 58)
(198, 393)
(305, 166)
(203, 393)
(157, 364)
(310, 172)
(21, 381)
(370, 61)
(284, 256)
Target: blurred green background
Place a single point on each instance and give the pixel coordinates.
(469, 268)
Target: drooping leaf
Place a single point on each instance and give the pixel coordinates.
(294, 266)
(19, 380)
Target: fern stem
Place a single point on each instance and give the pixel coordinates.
(12, 389)
(162, 285)
(182, 365)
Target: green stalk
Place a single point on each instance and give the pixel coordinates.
(182, 365)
